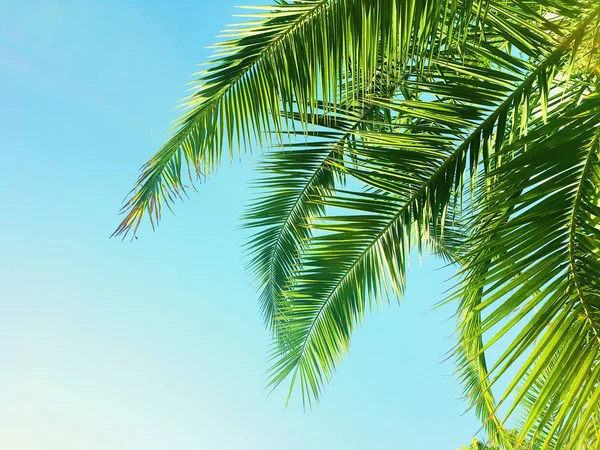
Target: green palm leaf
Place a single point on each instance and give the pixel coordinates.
(290, 178)
(262, 67)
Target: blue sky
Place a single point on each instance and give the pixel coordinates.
(158, 343)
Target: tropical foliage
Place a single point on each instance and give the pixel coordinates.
(476, 444)
(468, 129)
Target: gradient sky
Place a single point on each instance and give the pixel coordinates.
(157, 343)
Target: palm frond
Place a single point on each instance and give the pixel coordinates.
(290, 178)
(262, 67)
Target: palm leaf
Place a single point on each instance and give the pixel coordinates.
(289, 179)
(262, 67)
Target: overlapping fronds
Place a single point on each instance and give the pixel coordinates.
(286, 208)
(289, 179)
(414, 173)
(533, 265)
(396, 120)
(287, 56)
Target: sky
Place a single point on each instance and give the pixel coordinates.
(158, 343)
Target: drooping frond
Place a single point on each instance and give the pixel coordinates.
(290, 179)
(288, 56)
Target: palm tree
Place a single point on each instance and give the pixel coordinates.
(467, 129)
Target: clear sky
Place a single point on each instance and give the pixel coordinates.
(157, 343)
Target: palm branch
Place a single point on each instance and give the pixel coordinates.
(263, 65)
